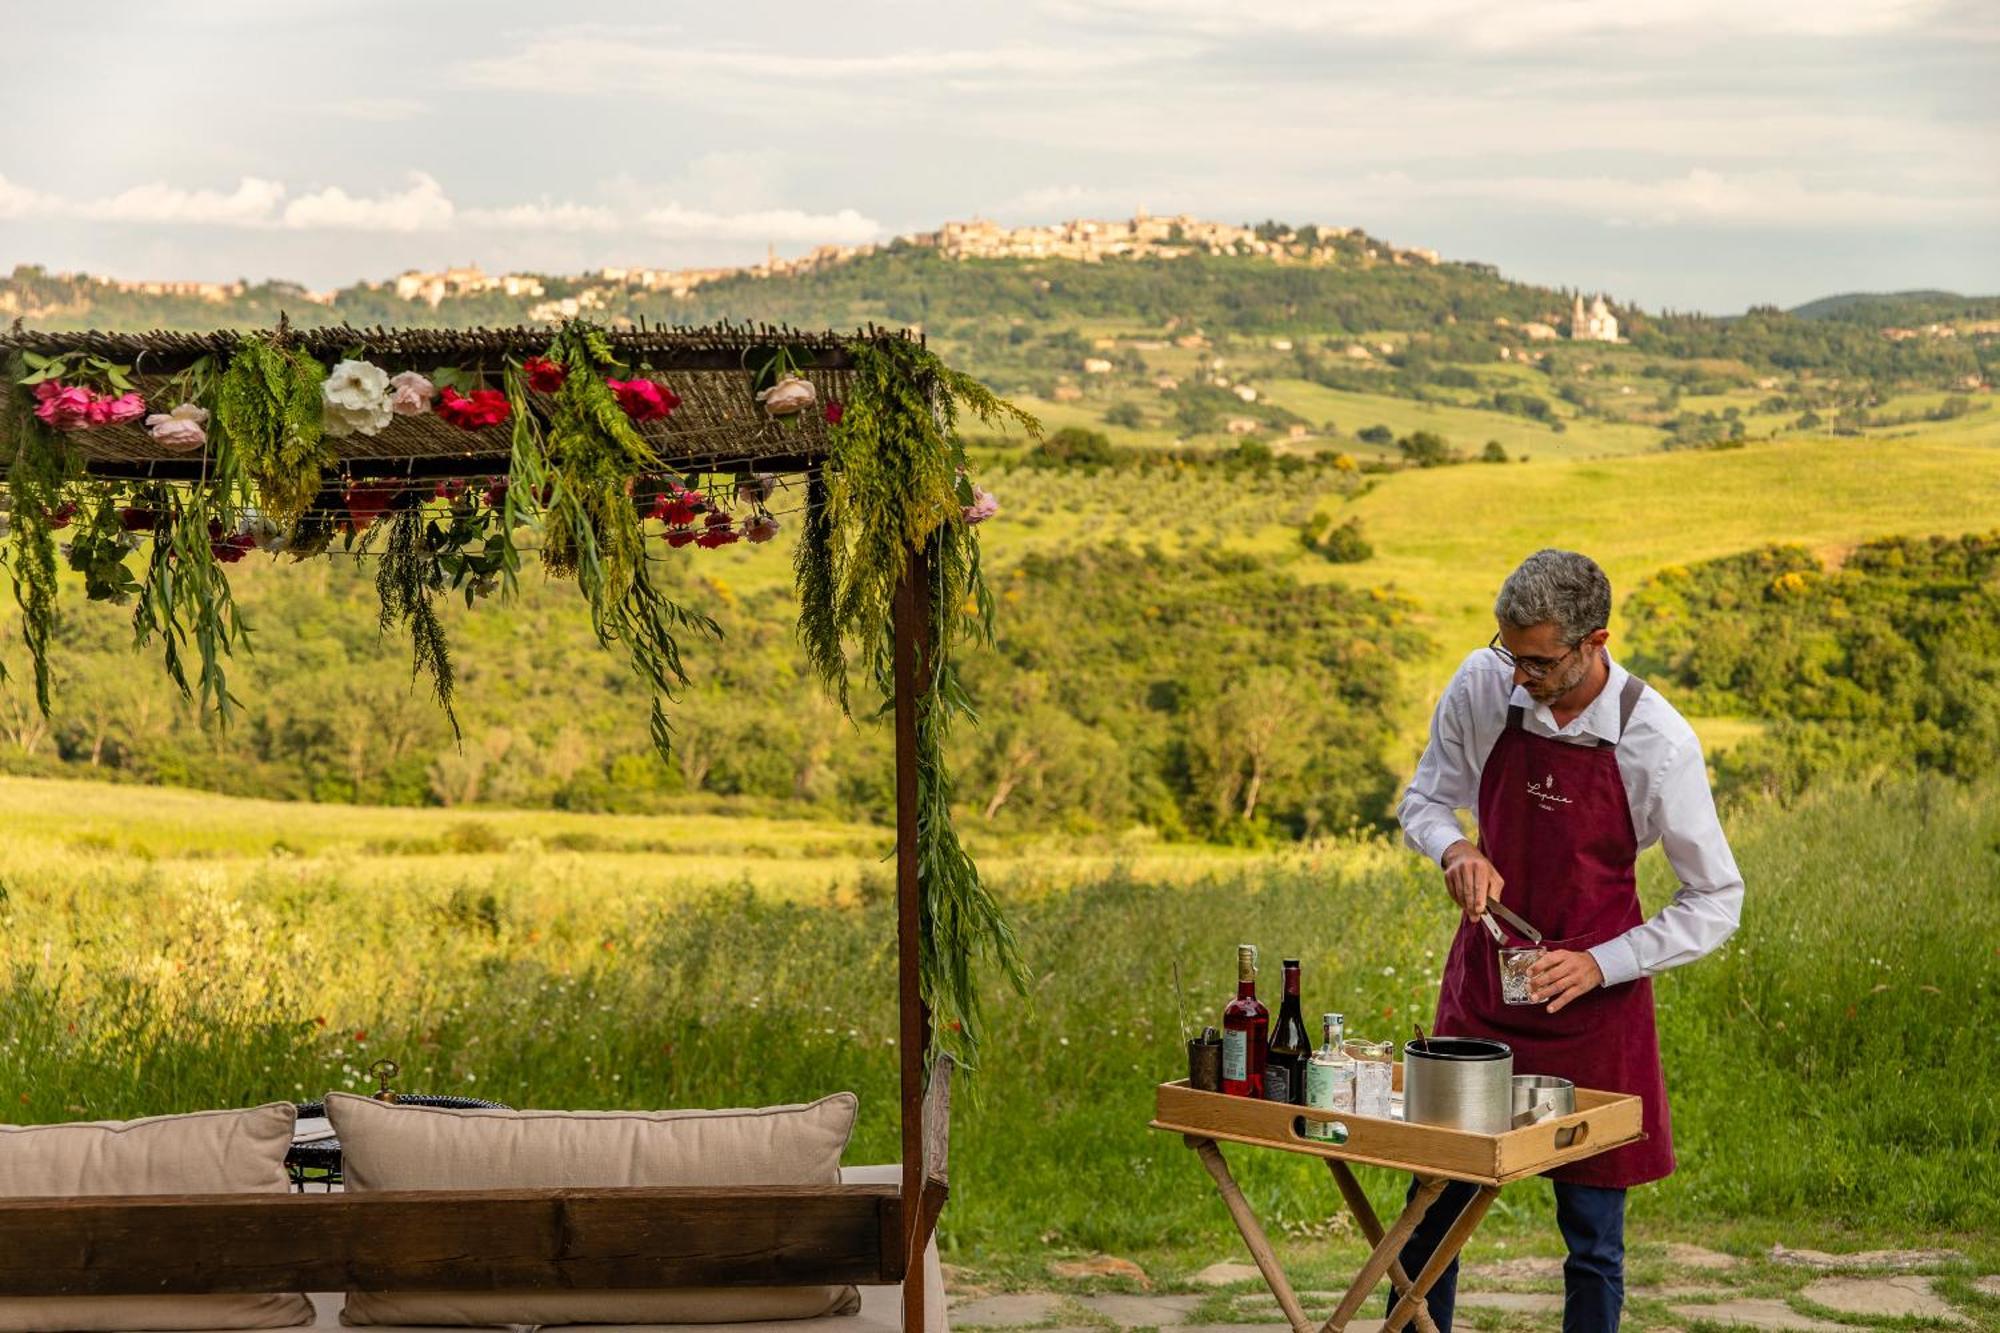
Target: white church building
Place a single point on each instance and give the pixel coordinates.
(1598, 324)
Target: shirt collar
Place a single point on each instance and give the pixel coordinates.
(1600, 719)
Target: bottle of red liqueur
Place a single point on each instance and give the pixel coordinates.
(1291, 1048)
(1246, 1026)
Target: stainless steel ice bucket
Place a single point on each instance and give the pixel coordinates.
(1459, 1082)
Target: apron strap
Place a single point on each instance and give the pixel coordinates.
(1628, 699)
(1514, 714)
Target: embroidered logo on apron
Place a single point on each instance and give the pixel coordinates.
(1544, 793)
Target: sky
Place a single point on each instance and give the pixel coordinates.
(1683, 154)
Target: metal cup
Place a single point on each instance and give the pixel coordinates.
(1538, 1097)
(1205, 1062)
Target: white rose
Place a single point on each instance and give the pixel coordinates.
(787, 397)
(356, 395)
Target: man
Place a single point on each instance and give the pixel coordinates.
(1572, 766)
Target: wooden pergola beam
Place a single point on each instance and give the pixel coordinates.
(912, 668)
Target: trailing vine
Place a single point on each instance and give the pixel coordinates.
(267, 410)
(895, 484)
(408, 581)
(590, 527)
(35, 479)
(184, 597)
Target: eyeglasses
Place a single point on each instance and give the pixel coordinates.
(1534, 668)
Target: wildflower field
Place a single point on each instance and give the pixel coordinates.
(163, 951)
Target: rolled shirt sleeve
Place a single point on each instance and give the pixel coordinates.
(1705, 910)
(1446, 780)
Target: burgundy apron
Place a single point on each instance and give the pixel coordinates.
(1554, 820)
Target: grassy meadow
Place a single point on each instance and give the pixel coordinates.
(163, 952)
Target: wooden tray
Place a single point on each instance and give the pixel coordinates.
(1601, 1121)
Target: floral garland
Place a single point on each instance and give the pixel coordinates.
(583, 480)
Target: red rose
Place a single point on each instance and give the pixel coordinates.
(230, 551)
(486, 407)
(451, 489)
(366, 500)
(678, 537)
(544, 375)
(496, 492)
(718, 532)
(834, 411)
(644, 400)
(134, 519)
(62, 515)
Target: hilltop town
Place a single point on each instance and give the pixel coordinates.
(1084, 240)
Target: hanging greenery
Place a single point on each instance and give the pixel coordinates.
(891, 496)
(267, 409)
(591, 529)
(35, 477)
(408, 581)
(895, 483)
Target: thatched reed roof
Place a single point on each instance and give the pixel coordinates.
(712, 369)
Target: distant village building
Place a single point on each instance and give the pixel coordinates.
(1096, 365)
(1246, 393)
(1596, 325)
(1242, 425)
(1540, 332)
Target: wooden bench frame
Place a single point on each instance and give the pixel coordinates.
(479, 1240)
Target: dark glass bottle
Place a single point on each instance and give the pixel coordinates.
(1246, 1028)
(1291, 1046)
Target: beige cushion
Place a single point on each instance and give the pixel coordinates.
(417, 1147)
(209, 1152)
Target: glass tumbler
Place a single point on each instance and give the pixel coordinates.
(1514, 965)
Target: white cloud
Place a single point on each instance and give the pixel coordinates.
(1747, 199)
(1526, 23)
(543, 215)
(382, 110)
(19, 201)
(590, 62)
(790, 225)
(252, 203)
(422, 206)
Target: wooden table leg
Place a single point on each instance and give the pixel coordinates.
(1385, 1252)
(1253, 1232)
(1371, 1227)
(1447, 1250)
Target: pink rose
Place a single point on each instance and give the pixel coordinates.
(760, 527)
(983, 506)
(64, 407)
(125, 407)
(181, 429)
(410, 394)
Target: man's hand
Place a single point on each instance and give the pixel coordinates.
(1560, 976)
(1471, 878)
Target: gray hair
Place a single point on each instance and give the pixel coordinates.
(1560, 586)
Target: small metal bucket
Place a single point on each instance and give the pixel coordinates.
(1205, 1061)
(1541, 1097)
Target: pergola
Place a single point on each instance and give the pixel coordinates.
(471, 448)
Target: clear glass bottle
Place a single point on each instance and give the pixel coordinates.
(1329, 1075)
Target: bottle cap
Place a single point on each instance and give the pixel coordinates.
(1291, 962)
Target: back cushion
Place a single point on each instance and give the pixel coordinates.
(209, 1152)
(388, 1147)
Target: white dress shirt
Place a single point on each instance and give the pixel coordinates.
(1666, 786)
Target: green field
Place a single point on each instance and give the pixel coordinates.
(1447, 537)
(212, 970)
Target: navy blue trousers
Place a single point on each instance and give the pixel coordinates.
(1592, 1221)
